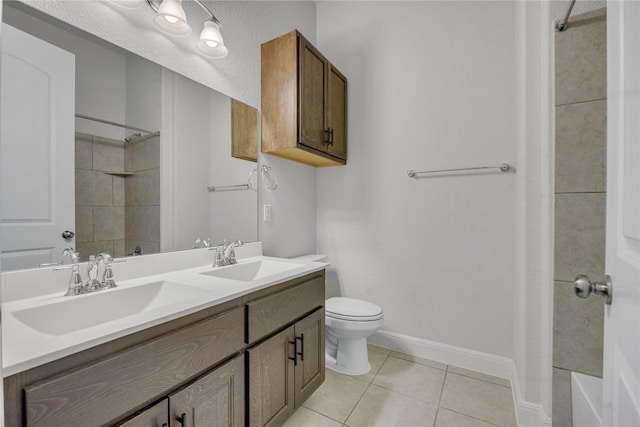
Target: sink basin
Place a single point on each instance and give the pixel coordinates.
(254, 270)
(84, 311)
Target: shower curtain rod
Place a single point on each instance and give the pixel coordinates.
(562, 25)
(107, 122)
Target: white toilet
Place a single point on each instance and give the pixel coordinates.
(348, 323)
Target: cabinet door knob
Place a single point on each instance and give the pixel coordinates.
(301, 352)
(295, 352)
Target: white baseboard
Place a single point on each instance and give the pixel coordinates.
(528, 414)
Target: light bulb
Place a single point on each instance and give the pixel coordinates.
(211, 43)
(171, 18)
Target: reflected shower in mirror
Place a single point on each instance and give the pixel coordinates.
(135, 189)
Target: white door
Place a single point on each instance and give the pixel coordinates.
(37, 86)
(621, 397)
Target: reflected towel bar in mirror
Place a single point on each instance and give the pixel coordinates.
(228, 187)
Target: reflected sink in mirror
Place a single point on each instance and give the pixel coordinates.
(253, 270)
(84, 311)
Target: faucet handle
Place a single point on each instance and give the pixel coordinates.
(218, 257)
(232, 256)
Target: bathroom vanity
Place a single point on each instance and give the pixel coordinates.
(249, 355)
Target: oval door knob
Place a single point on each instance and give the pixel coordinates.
(68, 235)
(583, 287)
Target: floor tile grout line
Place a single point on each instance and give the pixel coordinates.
(365, 390)
(470, 416)
(324, 415)
(479, 379)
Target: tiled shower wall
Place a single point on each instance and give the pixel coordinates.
(580, 202)
(117, 212)
(142, 194)
(100, 196)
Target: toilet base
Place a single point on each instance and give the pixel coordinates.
(351, 357)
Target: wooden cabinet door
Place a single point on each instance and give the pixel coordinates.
(337, 113)
(217, 399)
(312, 96)
(310, 346)
(156, 416)
(271, 380)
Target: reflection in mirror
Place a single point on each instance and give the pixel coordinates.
(125, 189)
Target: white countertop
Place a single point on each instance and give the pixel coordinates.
(25, 348)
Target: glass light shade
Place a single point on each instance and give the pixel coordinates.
(171, 18)
(130, 4)
(211, 43)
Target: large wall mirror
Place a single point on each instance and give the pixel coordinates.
(127, 156)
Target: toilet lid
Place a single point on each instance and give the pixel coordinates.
(351, 308)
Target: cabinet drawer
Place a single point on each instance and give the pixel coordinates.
(268, 314)
(104, 391)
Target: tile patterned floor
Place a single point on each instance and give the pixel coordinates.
(408, 391)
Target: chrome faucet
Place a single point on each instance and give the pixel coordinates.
(107, 275)
(73, 255)
(225, 253)
(92, 275)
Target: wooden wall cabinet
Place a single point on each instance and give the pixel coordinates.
(304, 103)
(244, 131)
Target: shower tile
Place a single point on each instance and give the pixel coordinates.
(93, 248)
(562, 416)
(581, 60)
(143, 223)
(337, 396)
(578, 327)
(108, 154)
(447, 418)
(412, 379)
(579, 235)
(144, 188)
(84, 151)
(581, 147)
(84, 224)
(93, 188)
(479, 376)
(118, 249)
(108, 223)
(380, 407)
(118, 191)
(146, 153)
(478, 399)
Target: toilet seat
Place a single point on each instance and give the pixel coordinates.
(352, 309)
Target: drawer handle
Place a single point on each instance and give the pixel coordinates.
(165, 425)
(182, 419)
(301, 352)
(331, 137)
(327, 131)
(295, 352)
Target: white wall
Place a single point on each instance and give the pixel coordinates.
(431, 86)
(233, 214)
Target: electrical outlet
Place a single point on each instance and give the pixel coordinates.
(266, 215)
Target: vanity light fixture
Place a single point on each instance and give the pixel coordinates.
(172, 19)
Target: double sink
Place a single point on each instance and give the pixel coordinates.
(67, 324)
